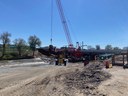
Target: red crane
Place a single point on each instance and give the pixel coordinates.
(74, 54)
(71, 53)
(64, 23)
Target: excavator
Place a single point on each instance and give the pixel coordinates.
(63, 55)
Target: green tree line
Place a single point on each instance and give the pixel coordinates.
(19, 44)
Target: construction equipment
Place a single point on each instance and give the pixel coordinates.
(62, 54)
(64, 22)
(61, 59)
(75, 54)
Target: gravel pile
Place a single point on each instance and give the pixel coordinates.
(87, 79)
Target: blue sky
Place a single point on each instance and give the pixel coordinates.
(94, 22)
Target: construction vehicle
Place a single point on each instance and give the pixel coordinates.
(71, 53)
(61, 59)
(74, 54)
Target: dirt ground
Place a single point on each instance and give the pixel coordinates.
(118, 84)
(40, 80)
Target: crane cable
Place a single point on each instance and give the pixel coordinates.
(51, 22)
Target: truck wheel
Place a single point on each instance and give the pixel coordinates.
(65, 63)
(56, 63)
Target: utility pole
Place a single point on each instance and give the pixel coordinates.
(83, 45)
(51, 21)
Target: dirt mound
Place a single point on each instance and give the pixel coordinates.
(87, 79)
(81, 82)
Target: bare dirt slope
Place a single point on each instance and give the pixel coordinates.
(118, 84)
(48, 80)
(31, 80)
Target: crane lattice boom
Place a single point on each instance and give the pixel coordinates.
(64, 23)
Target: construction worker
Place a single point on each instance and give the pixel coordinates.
(86, 61)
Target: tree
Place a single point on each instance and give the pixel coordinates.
(20, 44)
(5, 38)
(90, 47)
(33, 43)
(116, 48)
(108, 47)
(125, 48)
(97, 47)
